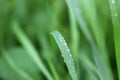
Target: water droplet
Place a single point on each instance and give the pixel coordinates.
(68, 50)
(65, 44)
(70, 55)
(113, 1)
(116, 15)
(60, 39)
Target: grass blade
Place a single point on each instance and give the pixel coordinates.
(47, 55)
(74, 33)
(66, 54)
(115, 11)
(99, 61)
(74, 7)
(89, 66)
(75, 39)
(26, 43)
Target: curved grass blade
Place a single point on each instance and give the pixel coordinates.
(27, 44)
(65, 54)
(115, 11)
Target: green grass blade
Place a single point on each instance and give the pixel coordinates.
(101, 65)
(47, 55)
(74, 33)
(27, 44)
(99, 61)
(66, 54)
(115, 11)
(75, 39)
(74, 7)
(19, 71)
(92, 16)
(89, 66)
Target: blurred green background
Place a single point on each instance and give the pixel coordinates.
(25, 37)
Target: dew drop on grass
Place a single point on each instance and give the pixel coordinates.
(60, 39)
(116, 15)
(65, 44)
(66, 54)
(68, 50)
(113, 1)
(70, 55)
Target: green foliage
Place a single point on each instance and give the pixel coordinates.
(30, 49)
(101, 64)
(29, 52)
(115, 12)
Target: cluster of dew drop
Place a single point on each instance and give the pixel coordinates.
(115, 12)
(113, 6)
(67, 55)
(64, 44)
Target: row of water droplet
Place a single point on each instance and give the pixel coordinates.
(67, 55)
(113, 6)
